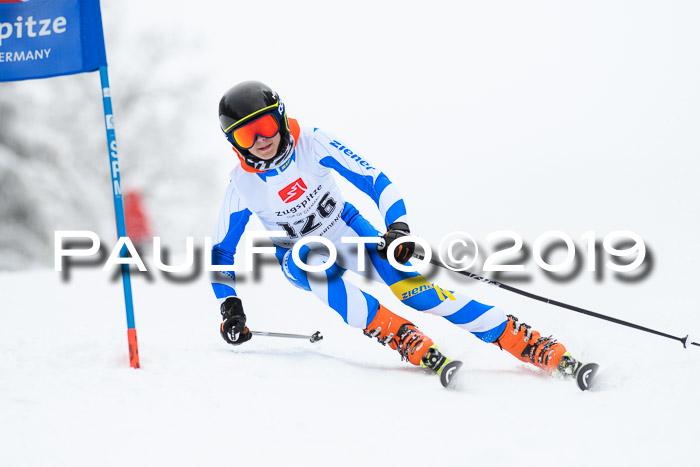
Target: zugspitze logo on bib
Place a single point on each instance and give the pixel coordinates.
(293, 191)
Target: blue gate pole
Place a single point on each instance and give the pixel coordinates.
(119, 213)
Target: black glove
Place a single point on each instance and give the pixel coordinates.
(403, 252)
(233, 328)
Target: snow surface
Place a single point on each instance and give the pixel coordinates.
(68, 397)
(532, 117)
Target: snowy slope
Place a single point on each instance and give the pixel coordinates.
(68, 397)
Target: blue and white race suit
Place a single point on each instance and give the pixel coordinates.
(302, 198)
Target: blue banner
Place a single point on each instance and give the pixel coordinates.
(43, 38)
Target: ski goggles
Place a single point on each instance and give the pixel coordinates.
(264, 122)
(266, 126)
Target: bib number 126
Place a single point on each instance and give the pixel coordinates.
(325, 208)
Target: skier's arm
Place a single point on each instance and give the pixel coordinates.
(233, 218)
(335, 154)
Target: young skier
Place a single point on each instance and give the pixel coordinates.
(285, 178)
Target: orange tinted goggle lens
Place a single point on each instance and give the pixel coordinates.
(265, 126)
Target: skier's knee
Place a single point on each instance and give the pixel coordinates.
(293, 272)
(301, 278)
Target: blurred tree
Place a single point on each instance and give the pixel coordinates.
(54, 170)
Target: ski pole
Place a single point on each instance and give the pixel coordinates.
(683, 340)
(315, 337)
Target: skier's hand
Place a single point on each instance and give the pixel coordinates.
(233, 328)
(404, 251)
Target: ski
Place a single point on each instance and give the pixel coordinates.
(436, 362)
(447, 372)
(585, 376)
(583, 373)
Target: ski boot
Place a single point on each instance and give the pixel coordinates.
(413, 346)
(400, 334)
(527, 345)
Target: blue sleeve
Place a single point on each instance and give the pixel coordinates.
(334, 154)
(229, 230)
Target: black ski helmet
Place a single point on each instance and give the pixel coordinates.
(242, 104)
